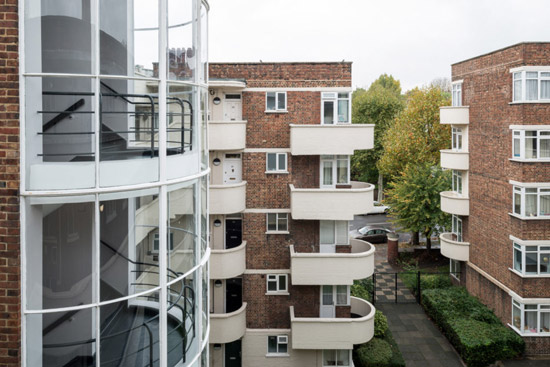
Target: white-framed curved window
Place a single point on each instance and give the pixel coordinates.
(531, 202)
(531, 84)
(532, 145)
(529, 318)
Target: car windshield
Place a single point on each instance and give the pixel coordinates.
(363, 230)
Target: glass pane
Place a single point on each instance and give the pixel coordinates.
(329, 358)
(204, 313)
(51, 343)
(544, 322)
(282, 221)
(342, 171)
(327, 295)
(517, 147)
(181, 121)
(281, 101)
(544, 264)
(517, 203)
(204, 44)
(517, 90)
(327, 236)
(545, 89)
(530, 322)
(204, 215)
(271, 161)
(343, 110)
(272, 285)
(272, 344)
(544, 148)
(282, 282)
(342, 236)
(283, 348)
(530, 205)
(516, 316)
(531, 263)
(182, 229)
(328, 114)
(532, 91)
(343, 358)
(517, 260)
(282, 162)
(270, 97)
(182, 52)
(544, 205)
(341, 295)
(61, 36)
(530, 145)
(327, 173)
(271, 222)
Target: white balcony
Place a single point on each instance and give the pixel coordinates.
(454, 249)
(341, 139)
(228, 199)
(453, 159)
(331, 204)
(226, 264)
(332, 268)
(226, 135)
(454, 115)
(454, 203)
(334, 333)
(227, 327)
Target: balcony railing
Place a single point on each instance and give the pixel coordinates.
(230, 263)
(454, 203)
(454, 115)
(331, 204)
(454, 249)
(453, 159)
(226, 135)
(332, 268)
(334, 333)
(342, 139)
(227, 327)
(228, 199)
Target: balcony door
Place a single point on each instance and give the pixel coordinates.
(233, 354)
(233, 294)
(232, 107)
(232, 169)
(328, 301)
(233, 232)
(334, 170)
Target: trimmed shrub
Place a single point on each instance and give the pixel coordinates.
(376, 353)
(474, 330)
(380, 324)
(362, 289)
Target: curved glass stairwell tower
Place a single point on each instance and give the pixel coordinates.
(114, 182)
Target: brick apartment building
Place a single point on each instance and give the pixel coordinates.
(280, 139)
(500, 201)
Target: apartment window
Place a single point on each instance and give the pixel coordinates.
(334, 170)
(276, 283)
(457, 138)
(454, 268)
(457, 94)
(336, 357)
(277, 222)
(532, 260)
(531, 144)
(277, 344)
(334, 232)
(335, 108)
(276, 162)
(457, 227)
(531, 318)
(457, 181)
(275, 101)
(335, 295)
(531, 202)
(531, 86)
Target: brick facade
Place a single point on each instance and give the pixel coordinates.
(487, 89)
(10, 286)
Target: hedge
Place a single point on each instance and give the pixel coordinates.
(473, 329)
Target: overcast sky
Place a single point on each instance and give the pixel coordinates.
(414, 40)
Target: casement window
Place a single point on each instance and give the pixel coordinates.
(277, 344)
(531, 202)
(531, 318)
(531, 144)
(457, 228)
(277, 283)
(531, 85)
(335, 108)
(275, 101)
(454, 268)
(457, 138)
(340, 357)
(338, 295)
(334, 170)
(457, 94)
(276, 162)
(334, 232)
(457, 181)
(277, 222)
(532, 260)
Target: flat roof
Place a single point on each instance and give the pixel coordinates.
(281, 62)
(501, 49)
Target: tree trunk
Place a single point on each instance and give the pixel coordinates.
(428, 242)
(380, 187)
(415, 238)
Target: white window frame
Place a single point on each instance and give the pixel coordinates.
(281, 283)
(456, 227)
(336, 97)
(539, 250)
(521, 193)
(277, 169)
(334, 159)
(277, 97)
(533, 308)
(337, 360)
(339, 226)
(335, 294)
(457, 182)
(519, 139)
(278, 216)
(519, 81)
(457, 94)
(457, 139)
(281, 340)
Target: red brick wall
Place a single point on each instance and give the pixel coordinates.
(10, 288)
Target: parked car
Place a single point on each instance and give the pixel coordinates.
(379, 208)
(371, 234)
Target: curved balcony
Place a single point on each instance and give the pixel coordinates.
(454, 115)
(330, 139)
(453, 249)
(332, 268)
(334, 333)
(226, 135)
(227, 83)
(454, 203)
(228, 199)
(227, 327)
(331, 204)
(226, 264)
(453, 159)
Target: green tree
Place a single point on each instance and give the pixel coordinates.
(414, 198)
(378, 105)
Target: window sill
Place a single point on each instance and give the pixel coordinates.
(546, 217)
(529, 102)
(276, 111)
(277, 355)
(529, 276)
(277, 232)
(276, 172)
(277, 294)
(541, 334)
(523, 160)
